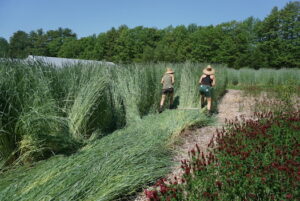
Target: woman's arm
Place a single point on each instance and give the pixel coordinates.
(162, 80)
(213, 80)
(173, 79)
(200, 80)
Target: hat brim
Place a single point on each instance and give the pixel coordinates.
(170, 72)
(211, 72)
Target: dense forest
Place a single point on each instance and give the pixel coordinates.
(271, 42)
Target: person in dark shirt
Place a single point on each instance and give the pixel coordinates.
(207, 81)
(168, 88)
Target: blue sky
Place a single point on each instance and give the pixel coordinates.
(88, 17)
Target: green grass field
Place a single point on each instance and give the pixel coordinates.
(92, 132)
(105, 116)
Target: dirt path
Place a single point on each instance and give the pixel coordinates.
(232, 105)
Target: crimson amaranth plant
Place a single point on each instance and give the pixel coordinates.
(254, 159)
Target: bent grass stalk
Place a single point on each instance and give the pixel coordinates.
(115, 165)
(84, 106)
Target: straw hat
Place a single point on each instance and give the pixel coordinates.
(209, 70)
(170, 71)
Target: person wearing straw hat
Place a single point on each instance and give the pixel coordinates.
(168, 88)
(207, 81)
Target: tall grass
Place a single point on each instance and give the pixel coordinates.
(88, 103)
(111, 167)
(43, 110)
(84, 106)
(262, 77)
(46, 111)
(29, 116)
(108, 113)
(78, 103)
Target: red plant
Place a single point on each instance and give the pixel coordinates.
(245, 155)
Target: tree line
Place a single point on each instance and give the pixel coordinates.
(271, 42)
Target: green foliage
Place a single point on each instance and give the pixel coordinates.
(278, 36)
(38, 43)
(71, 48)
(271, 42)
(286, 92)
(18, 45)
(267, 78)
(4, 48)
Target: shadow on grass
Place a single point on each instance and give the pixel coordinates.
(176, 102)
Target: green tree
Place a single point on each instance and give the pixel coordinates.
(134, 45)
(181, 44)
(272, 42)
(167, 47)
(279, 38)
(88, 47)
(192, 28)
(289, 31)
(163, 51)
(56, 39)
(82, 48)
(71, 48)
(19, 45)
(4, 48)
(237, 43)
(269, 38)
(38, 43)
(100, 47)
(123, 45)
(110, 43)
(205, 42)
